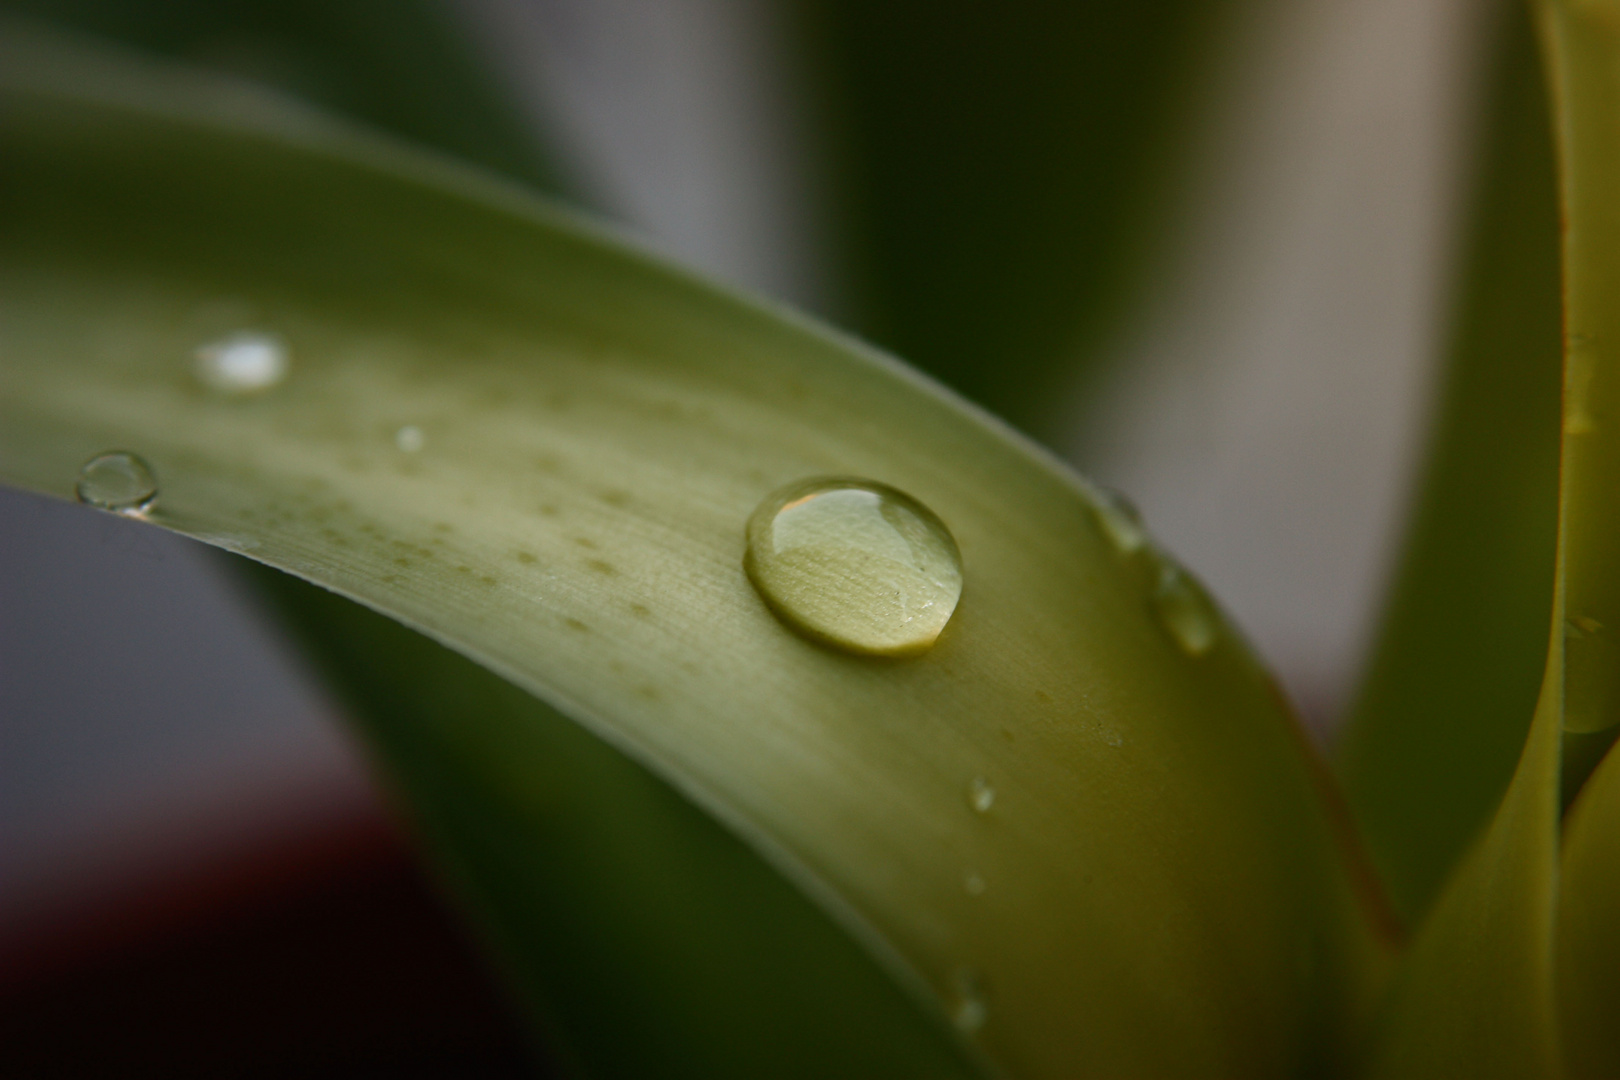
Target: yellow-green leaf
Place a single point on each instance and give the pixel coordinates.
(1476, 995)
(1584, 44)
(1443, 712)
(509, 432)
(1473, 997)
(1588, 930)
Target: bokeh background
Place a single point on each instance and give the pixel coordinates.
(1201, 250)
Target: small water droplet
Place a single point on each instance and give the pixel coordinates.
(973, 882)
(1120, 521)
(243, 363)
(410, 439)
(969, 1009)
(118, 481)
(981, 795)
(855, 564)
(1114, 739)
(1185, 610)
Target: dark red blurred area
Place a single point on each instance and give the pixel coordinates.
(331, 955)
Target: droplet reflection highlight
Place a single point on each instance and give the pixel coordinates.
(1185, 610)
(855, 564)
(118, 481)
(981, 795)
(1120, 520)
(243, 363)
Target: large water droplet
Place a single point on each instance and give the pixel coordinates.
(981, 795)
(243, 363)
(118, 481)
(969, 1009)
(1185, 610)
(410, 439)
(1120, 521)
(855, 564)
(974, 883)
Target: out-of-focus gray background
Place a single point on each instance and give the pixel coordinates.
(1264, 409)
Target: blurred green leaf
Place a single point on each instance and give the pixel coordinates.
(405, 66)
(1583, 46)
(1476, 994)
(1583, 43)
(647, 939)
(1157, 887)
(1005, 170)
(1588, 933)
(1443, 714)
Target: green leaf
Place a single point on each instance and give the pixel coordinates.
(1473, 996)
(1004, 172)
(646, 938)
(1588, 967)
(1476, 995)
(1584, 44)
(405, 66)
(1443, 714)
(1156, 887)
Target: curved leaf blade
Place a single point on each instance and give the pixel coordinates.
(1007, 173)
(607, 894)
(1584, 43)
(1445, 706)
(1160, 889)
(1588, 968)
(1474, 997)
(1477, 995)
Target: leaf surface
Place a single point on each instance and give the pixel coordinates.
(1476, 996)
(1006, 175)
(1445, 707)
(1588, 944)
(1584, 46)
(1473, 996)
(1157, 886)
(405, 66)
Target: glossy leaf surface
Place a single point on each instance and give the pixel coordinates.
(1157, 887)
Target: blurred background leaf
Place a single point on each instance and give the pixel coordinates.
(1473, 995)
(1588, 956)
(1446, 703)
(1005, 173)
(1476, 994)
(645, 937)
(405, 66)
(1582, 42)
